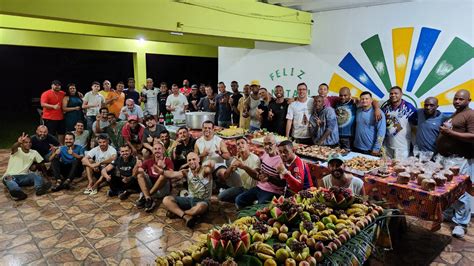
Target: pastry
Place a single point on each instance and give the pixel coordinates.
(403, 178)
(414, 174)
(421, 177)
(399, 169)
(363, 164)
(455, 169)
(440, 180)
(428, 184)
(448, 174)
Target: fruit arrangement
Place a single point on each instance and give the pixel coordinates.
(319, 152)
(300, 230)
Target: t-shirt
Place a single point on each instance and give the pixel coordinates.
(297, 176)
(105, 93)
(346, 113)
(240, 178)
(328, 120)
(135, 136)
(93, 99)
(296, 112)
(398, 133)
(268, 166)
(205, 104)
(330, 101)
(279, 110)
(185, 91)
(428, 130)
(148, 167)
(356, 184)
(264, 123)
(115, 134)
(137, 110)
(116, 105)
(199, 187)
(369, 134)
(81, 139)
(148, 133)
(99, 155)
(43, 146)
(20, 162)
(102, 125)
(134, 95)
(213, 145)
(182, 150)
(178, 102)
(162, 102)
(67, 158)
(125, 168)
(224, 111)
(460, 122)
(193, 98)
(52, 97)
(151, 104)
(253, 106)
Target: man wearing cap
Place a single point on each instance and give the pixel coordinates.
(131, 108)
(244, 121)
(193, 98)
(185, 90)
(252, 105)
(149, 97)
(297, 117)
(132, 133)
(339, 178)
(53, 117)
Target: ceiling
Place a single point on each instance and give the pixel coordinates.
(326, 5)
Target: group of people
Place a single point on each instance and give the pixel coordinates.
(132, 152)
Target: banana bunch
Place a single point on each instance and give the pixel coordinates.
(262, 250)
(325, 235)
(244, 223)
(357, 210)
(175, 258)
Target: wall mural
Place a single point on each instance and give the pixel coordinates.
(454, 57)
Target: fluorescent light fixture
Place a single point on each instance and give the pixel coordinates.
(176, 33)
(141, 40)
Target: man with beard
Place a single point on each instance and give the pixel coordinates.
(114, 131)
(53, 117)
(101, 121)
(208, 103)
(131, 108)
(185, 90)
(131, 93)
(323, 124)
(66, 162)
(457, 140)
(116, 99)
(293, 170)
(122, 179)
(224, 109)
(323, 90)
(151, 131)
(43, 142)
(298, 116)
(277, 109)
(202, 90)
(244, 120)
(262, 108)
(430, 119)
(199, 179)
(151, 179)
(193, 98)
(132, 133)
(95, 160)
(242, 173)
(162, 96)
(149, 97)
(269, 183)
(183, 145)
(165, 138)
(339, 178)
(251, 106)
(399, 114)
(18, 174)
(81, 136)
(234, 101)
(177, 104)
(92, 103)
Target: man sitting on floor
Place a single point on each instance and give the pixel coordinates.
(17, 173)
(43, 142)
(293, 169)
(66, 162)
(339, 178)
(199, 179)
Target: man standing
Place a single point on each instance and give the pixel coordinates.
(53, 117)
(323, 90)
(177, 104)
(224, 109)
(234, 101)
(430, 119)
(162, 96)
(131, 93)
(17, 173)
(298, 116)
(457, 140)
(277, 109)
(132, 133)
(193, 98)
(399, 114)
(92, 103)
(269, 183)
(66, 162)
(131, 108)
(199, 179)
(293, 170)
(208, 103)
(149, 97)
(346, 109)
(43, 142)
(115, 99)
(339, 178)
(262, 108)
(369, 134)
(184, 144)
(185, 90)
(244, 120)
(106, 85)
(323, 124)
(252, 105)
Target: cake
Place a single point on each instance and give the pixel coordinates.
(421, 177)
(399, 169)
(455, 169)
(428, 184)
(440, 179)
(414, 174)
(448, 174)
(403, 178)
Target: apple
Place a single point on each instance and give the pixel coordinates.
(342, 238)
(263, 217)
(258, 213)
(290, 262)
(319, 246)
(271, 221)
(337, 242)
(284, 229)
(303, 263)
(318, 255)
(282, 237)
(296, 234)
(311, 260)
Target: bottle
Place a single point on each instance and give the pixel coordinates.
(161, 119)
(171, 118)
(167, 119)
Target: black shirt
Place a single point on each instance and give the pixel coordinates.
(279, 110)
(182, 151)
(132, 95)
(147, 133)
(124, 168)
(43, 146)
(264, 121)
(190, 104)
(162, 102)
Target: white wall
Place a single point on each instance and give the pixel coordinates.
(336, 33)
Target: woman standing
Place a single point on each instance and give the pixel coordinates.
(72, 107)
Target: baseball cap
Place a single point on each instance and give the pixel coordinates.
(132, 117)
(335, 156)
(255, 83)
(194, 86)
(56, 82)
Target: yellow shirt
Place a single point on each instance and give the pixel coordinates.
(20, 162)
(104, 93)
(115, 105)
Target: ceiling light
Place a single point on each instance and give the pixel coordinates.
(176, 33)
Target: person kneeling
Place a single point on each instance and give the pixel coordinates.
(199, 180)
(66, 162)
(151, 181)
(123, 170)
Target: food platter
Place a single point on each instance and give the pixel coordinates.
(318, 152)
(231, 133)
(360, 164)
(278, 139)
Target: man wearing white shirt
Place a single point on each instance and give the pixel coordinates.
(297, 117)
(92, 102)
(177, 103)
(149, 97)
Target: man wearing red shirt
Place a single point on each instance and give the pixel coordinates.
(186, 90)
(53, 118)
(293, 169)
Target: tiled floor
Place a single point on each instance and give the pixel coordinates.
(68, 227)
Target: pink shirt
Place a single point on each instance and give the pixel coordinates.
(268, 166)
(330, 101)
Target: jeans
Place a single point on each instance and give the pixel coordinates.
(117, 185)
(230, 194)
(14, 182)
(248, 197)
(63, 171)
(90, 120)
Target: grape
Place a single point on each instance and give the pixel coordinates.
(305, 194)
(297, 246)
(314, 218)
(230, 234)
(210, 262)
(260, 227)
(308, 225)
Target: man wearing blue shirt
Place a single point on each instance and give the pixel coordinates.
(66, 162)
(369, 133)
(323, 124)
(346, 109)
(430, 119)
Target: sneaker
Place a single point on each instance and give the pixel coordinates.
(43, 189)
(459, 231)
(140, 202)
(124, 195)
(57, 187)
(67, 184)
(93, 191)
(88, 191)
(18, 194)
(150, 205)
(112, 193)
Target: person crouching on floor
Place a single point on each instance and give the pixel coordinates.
(199, 179)
(151, 180)
(17, 173)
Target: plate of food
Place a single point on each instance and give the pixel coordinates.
(231, 133)
(362, 164)
(318, 152)
(259, 140)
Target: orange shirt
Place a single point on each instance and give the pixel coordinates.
(115, 105)
(52, 97)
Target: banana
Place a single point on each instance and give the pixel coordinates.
(320, 237)
(360, 206)
(267, 251)
(264, 256)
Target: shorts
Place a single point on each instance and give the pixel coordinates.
(217, 168)
(186, 203)
(55, 127)
(161, 193)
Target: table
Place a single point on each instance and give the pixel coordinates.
(414, 201)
